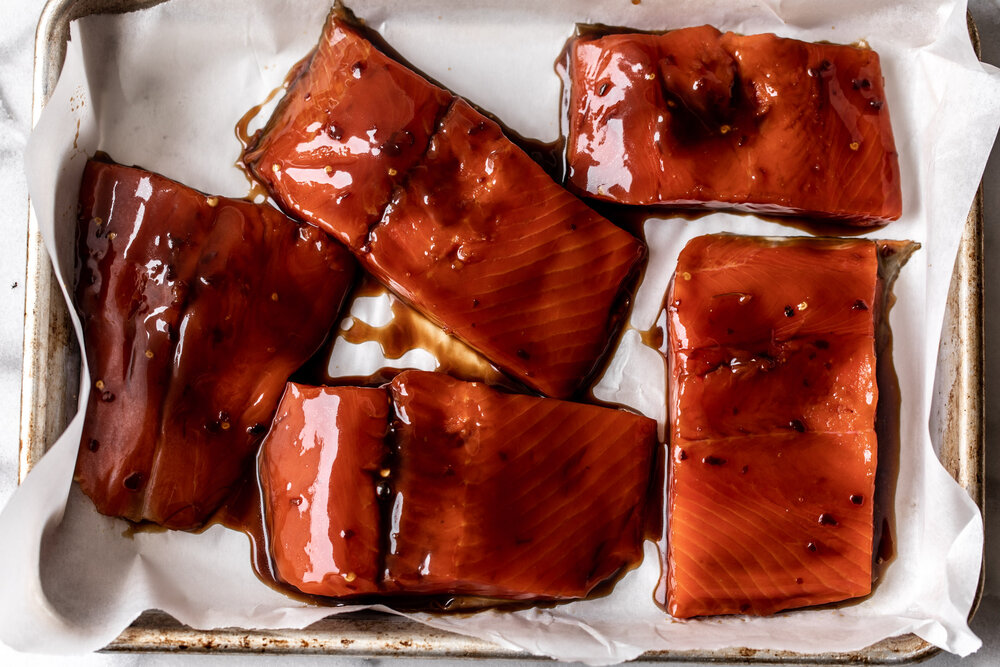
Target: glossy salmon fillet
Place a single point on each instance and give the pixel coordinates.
(195, 311)
(512, 496)
(824, 384)
(349, 128)
(318, 469)
(446, 211)
(750, 290)
(773, 399)
(764, 523)
(695, 117)
(484, 242)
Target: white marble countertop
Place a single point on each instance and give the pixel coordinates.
(17, 33)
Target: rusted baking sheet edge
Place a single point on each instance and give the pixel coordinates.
(50, 384)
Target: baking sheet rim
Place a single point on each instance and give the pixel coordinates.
(48, 401)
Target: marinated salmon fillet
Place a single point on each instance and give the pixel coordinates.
(773, 399)
(439, 205)
(195, 311)
(824, 383)
(484, 242)
(318, 469)
(769, 522)
(349, 128)
(695, 117)
(512, 496)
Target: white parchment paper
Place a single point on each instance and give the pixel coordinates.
(163, 88)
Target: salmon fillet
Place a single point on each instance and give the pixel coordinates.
(318, 466)
(772, 408)
(770, 522)
(695, 117)
(512, 496)
(484, 242)
(351, 125)
(195, 311)
(477, 237)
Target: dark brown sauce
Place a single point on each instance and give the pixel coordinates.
(815, 227)
(466, 604)
(633, 218)
(243, 512)
(659, 592)
(133, 529)
(655, 520)
(407, 330)
(653, 337)
(243, 124)
(892, 255)
(377, 378)
(257, 190)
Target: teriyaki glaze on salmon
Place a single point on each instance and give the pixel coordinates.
(195, 309)
(482, 493)
(351, 126)
(699, 118)
(512, 496)
(438, 204)
(772, 408)
(319, 467)
(482, 240)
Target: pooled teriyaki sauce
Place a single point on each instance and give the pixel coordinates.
(406, 330)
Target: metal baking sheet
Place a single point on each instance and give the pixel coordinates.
(50, 378)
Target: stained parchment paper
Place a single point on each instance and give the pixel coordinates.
(163, 88)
